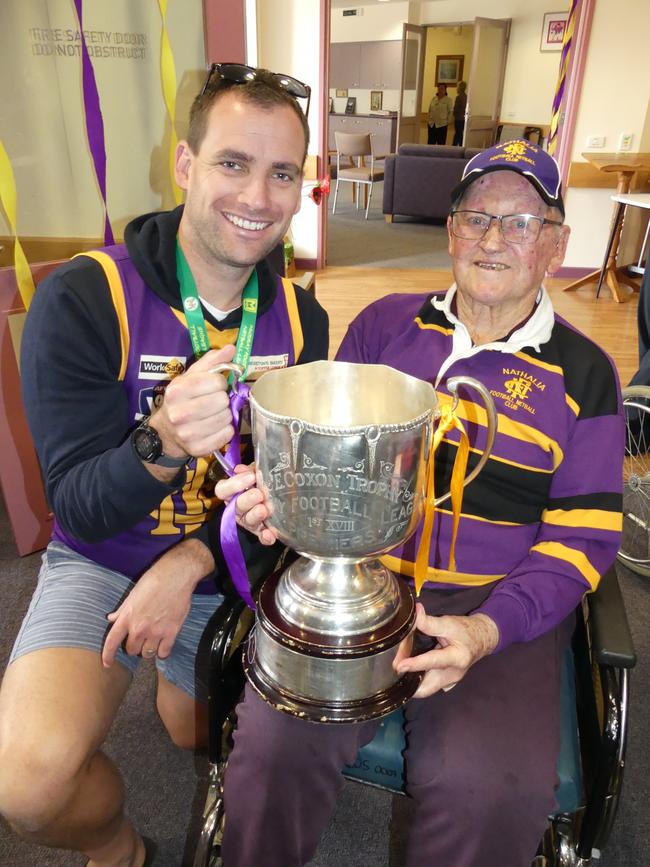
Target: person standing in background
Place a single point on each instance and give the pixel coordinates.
(460, 106)
(440, 113)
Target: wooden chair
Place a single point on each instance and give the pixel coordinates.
(356, 146)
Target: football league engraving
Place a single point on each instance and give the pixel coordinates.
(342, 452)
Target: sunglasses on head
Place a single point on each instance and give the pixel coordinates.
(237, 73)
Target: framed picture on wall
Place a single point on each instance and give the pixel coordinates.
(449, 68)
(553, 31)
(375, 99)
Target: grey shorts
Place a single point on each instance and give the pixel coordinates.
(69, 608)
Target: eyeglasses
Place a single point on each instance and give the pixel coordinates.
(237, 73)
(515, 228)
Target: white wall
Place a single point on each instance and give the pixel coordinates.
(288, 41)
(379, 22)
(615, 99)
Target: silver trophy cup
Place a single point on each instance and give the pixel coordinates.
(341, 451)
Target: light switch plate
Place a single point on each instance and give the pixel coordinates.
(625, 141)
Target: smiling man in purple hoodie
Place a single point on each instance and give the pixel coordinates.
(125, 423)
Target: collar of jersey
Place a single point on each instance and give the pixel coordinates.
(533, 333)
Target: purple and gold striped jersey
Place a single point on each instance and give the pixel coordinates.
(542, 521)
(155, 347)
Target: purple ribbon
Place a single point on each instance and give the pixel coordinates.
(94, 124)
(230, 545)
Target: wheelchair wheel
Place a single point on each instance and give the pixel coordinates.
(635, 544)
(208, 849)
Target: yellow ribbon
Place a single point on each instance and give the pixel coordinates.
(8, 198)
(168, 76)
(448, 420)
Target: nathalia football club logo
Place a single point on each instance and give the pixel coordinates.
(519, 387)
(515, 152)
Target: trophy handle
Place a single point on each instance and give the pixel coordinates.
(490, 410)
(236, 370)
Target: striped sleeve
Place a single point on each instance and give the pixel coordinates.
(580, 528)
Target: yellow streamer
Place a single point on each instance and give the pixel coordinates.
(8, 198)
(448, 420)
(561, 79)
(168, 76)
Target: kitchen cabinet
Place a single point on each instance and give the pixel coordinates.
(366, 65)
(345, 65)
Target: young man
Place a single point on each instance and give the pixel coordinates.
(538, 527)
(125, 422)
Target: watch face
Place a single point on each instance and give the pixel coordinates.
(147, 443)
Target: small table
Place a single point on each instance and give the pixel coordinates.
(625, 166)
(633, 200)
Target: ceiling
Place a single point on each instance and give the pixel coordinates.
(353, 4)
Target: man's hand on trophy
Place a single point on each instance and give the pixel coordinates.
(461, 641)
(252, 507)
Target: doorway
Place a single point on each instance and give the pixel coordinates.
(482, 45)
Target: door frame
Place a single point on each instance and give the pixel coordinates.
(419, 30)
(481, 21)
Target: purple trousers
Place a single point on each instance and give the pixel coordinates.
(480, 763)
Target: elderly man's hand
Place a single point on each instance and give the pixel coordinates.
(252, 508)
(462, 641)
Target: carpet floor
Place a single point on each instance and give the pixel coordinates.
(355, 241)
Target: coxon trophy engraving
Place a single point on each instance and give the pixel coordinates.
(341, 451)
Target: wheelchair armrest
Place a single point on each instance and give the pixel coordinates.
(610, 632)
(225, 672)
(224, 625)
(603, 709)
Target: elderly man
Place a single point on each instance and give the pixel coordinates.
(538, 528)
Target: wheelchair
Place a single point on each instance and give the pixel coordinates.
(595, 695)
(635, 545)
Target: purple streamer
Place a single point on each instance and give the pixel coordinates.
(94, 124)
(230, 546)
(557, 102)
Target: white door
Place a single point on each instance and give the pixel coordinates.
(414, 43)
(485, 83)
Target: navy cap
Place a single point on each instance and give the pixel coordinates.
(522, 157)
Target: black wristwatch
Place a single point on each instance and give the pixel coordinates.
(148, 447)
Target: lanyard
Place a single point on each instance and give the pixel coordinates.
(196, 322)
